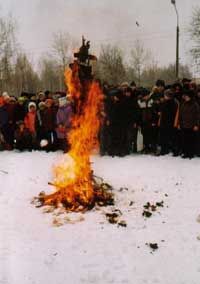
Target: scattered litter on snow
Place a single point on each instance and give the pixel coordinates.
(153, 246)
(85, 248)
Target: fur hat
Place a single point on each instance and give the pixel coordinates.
(124, 85)
(31, 104)
(41, 105)
(5, 94)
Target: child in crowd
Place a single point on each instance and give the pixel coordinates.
(31, 122)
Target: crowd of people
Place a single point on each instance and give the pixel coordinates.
(32, 122)
(163, 120)
(168, 117)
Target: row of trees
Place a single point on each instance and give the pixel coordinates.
(17, 72)
(194, 31)
(140, 66)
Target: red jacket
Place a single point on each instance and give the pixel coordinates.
(30, 121)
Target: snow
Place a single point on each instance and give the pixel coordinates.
(33, 251)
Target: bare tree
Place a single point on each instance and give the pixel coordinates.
(167, 73)
(24, 77)
(50, 76)
(194, 31)
(8, 47)
(63, 47)
(150, 74)
(139, 59)
(110, 66)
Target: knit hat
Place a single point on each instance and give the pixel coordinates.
(21, 99)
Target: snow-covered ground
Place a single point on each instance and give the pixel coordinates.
(33, 251)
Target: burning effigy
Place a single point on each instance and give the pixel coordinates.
(76, 187)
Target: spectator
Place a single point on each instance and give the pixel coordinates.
(167, 118)
(31, 122)
(48, 124)
(63, 122)
(19, 112)
(3, 124)
(189, 123)
(23, 137)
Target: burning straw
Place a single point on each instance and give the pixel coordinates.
(76, 188)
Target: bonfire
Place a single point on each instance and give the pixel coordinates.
(76, 187)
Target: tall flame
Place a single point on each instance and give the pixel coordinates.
(73, 176)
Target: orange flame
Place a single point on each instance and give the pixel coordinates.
(73, 176)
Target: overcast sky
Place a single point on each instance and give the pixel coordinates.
(103, 21)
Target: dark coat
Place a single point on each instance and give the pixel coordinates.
(168, 113)
(148, 112)
(19, 112)
(189, 114)
(11, 111)
(23, 140)
(129, 110)
(115, 114)
(48, 119)
(3, 116)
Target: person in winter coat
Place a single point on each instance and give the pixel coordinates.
(198, 133)
(148, 120)
(63, 122)
(23, 137)
(116, 125)
(189, 121)
(48, 118)
(31, 122)
(40, 114)
(168, 113)
(10, 105)
(130, 118)
(3, 124)
(104, 131)
(19, 112)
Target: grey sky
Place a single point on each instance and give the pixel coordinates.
(103, 21)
